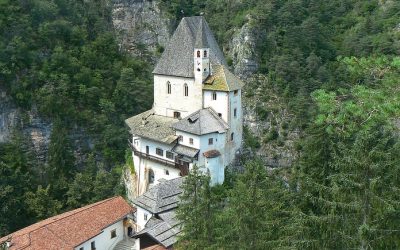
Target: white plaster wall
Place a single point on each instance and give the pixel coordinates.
(216, 168)
(103, 241)
(218, 144)
(140, 221)
(236, 126)
(185, 141)
(220, 105)
(142, 166)
(165, 104)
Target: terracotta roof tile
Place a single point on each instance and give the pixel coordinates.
(212, 153)
(70, 229)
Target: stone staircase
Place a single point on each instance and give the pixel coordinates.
(125, 244)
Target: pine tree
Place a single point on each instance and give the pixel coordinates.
(196, 211)
(259, 213)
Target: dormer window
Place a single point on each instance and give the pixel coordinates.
(168, 88)
(186, 89)
(205, 53)
(198, 54)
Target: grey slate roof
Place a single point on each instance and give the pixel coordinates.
(184, 150)
(201, 122)
(163, 229)
(201, 38)
(161, 197)
(177, 59)
(151, 126)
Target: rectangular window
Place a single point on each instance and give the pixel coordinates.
(234, 112)
(180, 138)
(191, 141)
(81, 248)
(177, 115)
(93, 245)
(145, 217)
(214, 96)
(210, 141)
(170, 155)
(236, 92)
(113, 234)
(159, 152)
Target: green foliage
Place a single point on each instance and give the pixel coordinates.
(41, 204)
(196, 211)
(250, 140)
(62, 58)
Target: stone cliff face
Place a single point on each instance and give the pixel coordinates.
(243, 49)
(268, 119)
(33, 127)
(37, 130)
(140, 24)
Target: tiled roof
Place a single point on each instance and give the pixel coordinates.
(201, 122)
(177, 58)
(151, 126)
(222, 80)
(164, 230)
(70, 229)
(184, 150)
(162, 197)
(212, 153)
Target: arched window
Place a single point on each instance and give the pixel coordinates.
(151, 176)
(232, 137)
(186, 90)
(198, 54)
(205, 53)
(168, 88)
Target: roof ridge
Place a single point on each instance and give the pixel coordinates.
(81, 209)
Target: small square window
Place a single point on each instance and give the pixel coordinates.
(180, 138)
(113, 234)
(177, 115)
(81, 248)
(145, 217)
(236, 92)
(170, 155)
(219, 114)
(210, 141)
(166, 172)
(191, 141)
(159, 152)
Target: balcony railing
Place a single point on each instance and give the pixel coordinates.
(182, 166)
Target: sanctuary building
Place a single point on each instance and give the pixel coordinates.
(197, 112)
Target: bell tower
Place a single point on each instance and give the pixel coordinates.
(201, 56)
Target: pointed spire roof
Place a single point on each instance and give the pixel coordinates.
(201, 38)
(177, 59)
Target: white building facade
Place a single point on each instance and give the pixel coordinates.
(197, 112)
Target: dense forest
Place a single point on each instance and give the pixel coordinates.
(61, 57)
(335, 64)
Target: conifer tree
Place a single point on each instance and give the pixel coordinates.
(196, 211)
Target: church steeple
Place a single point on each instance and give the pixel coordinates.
(201, 55)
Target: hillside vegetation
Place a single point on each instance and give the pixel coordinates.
(333, 65)
(61, 58)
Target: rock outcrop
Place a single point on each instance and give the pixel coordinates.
(243, 49)
(33, 127)
(140, 25)
(268, 120)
